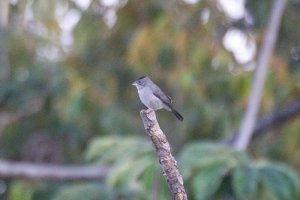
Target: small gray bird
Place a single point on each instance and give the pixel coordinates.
(153, 97)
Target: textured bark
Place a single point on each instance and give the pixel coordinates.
(163, 150)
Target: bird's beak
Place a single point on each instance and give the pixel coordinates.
(134, 83)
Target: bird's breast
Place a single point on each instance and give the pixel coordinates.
(149, 99)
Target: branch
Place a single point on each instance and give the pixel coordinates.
(163, 150)
(28, 170)
(275, 119)
(249, 120)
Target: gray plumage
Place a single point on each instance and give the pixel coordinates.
(153, 97)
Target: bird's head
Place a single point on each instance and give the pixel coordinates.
(141, 82)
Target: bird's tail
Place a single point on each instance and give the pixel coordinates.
(178, 116)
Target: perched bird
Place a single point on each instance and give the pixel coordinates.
(153, 97)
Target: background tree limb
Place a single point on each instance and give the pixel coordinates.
(275, 119)
(249, 120)
(28, 170)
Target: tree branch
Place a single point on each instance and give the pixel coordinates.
(275, 119)
(27, 170)
(249, 120)
(163, 150)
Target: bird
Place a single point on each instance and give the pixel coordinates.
(153, 97)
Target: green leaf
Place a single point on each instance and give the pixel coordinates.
(110, 149)
(279, 181)
(207, 181)
(150, 174)
(128, 172)
(20, 191)
(84, 191)
(198, 155)
(98, 146)
(128, 157)
(244, 182)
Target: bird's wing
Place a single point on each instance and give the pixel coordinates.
(171, 101)
(163, 97)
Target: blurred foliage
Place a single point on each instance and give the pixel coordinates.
(66, 97)
(133, 165)
(207, 166)
(84, 191)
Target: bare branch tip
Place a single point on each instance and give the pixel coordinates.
(149, 114)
